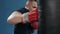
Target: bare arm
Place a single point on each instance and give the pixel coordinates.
(14, 18)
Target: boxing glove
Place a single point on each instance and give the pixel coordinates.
(35, 25)
(30, 16)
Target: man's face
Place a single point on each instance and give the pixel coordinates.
(33, 5)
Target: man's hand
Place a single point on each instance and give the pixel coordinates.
(31, 16)
(35, 25)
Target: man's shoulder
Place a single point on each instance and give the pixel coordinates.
(22, 10)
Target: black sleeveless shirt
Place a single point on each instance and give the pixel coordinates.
(23, 28)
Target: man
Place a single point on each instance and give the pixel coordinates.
(25, 19)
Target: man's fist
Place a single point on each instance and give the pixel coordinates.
(31, 16)
(35, 25)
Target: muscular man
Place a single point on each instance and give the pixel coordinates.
(25, 19)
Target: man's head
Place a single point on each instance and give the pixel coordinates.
(31, 4)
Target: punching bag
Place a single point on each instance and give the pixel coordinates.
(50, 17)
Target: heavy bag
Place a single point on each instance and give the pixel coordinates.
(50, 17)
